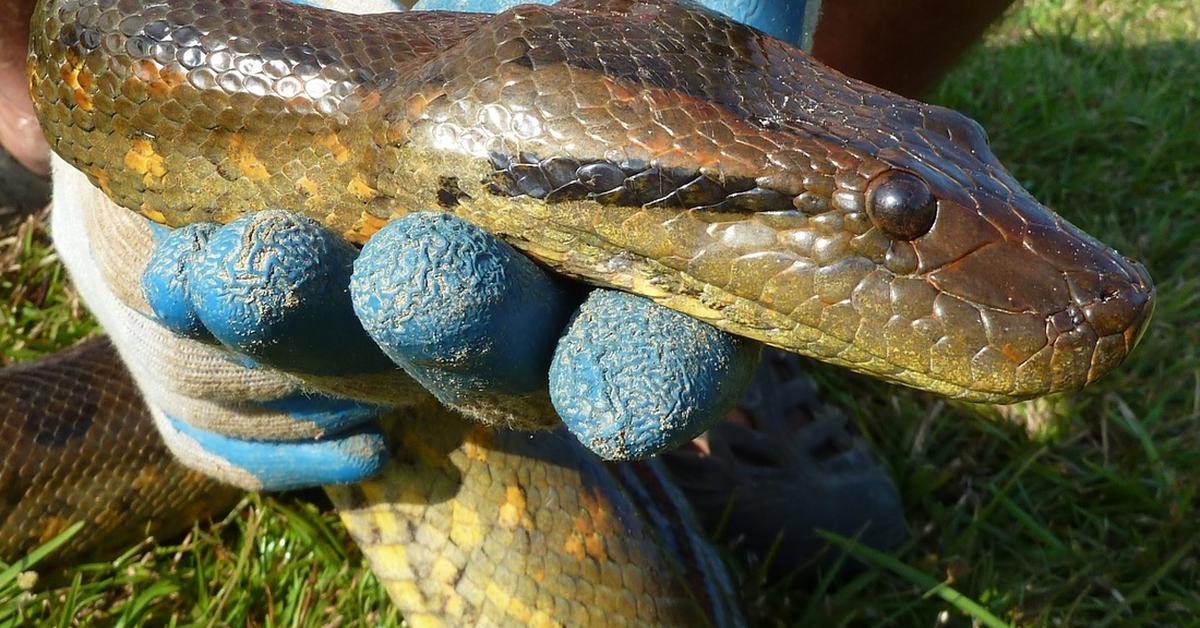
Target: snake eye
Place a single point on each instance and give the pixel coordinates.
(901, 204)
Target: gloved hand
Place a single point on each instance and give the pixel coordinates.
(464, 313)
(209, 404)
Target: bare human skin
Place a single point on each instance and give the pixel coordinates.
(904, 46)
(867, 39)
(19, 132)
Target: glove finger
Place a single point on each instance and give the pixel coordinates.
(165, 366)
(165, 281)
(783, 19)
(358, 6)
(273, 286)
(169, 368)
(463, 313)
(473, 6)
(631, 378)
(117, 242)
(350, 456)
(322, 415)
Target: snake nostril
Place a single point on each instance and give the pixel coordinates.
(1067, 320)
(1118, 309)
(1111, 302)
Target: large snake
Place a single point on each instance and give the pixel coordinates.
(650, 146)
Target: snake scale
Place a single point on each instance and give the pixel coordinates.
(650, 146)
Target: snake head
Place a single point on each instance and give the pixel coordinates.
(781, 200)
(987, 288)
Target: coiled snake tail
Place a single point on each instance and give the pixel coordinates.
(79, 445)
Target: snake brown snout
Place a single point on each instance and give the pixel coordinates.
(1050, 307)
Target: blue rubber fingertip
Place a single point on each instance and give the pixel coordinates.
(286, 465)
(329, 414)
(165, 280)
(274, 286)
(783, 19)
(460, 310)
(631, 379)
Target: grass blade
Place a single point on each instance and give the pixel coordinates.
(32, 558)
(921, 579)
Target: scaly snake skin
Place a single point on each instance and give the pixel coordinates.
(653, 147)
(79, 445)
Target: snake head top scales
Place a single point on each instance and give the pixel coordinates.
(651, 146)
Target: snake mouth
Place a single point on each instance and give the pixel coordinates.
(1111, 304)
(1108, 326)
(1145, 310)
(1056, 314)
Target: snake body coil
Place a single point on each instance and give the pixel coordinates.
(80, 446)
(655, 147)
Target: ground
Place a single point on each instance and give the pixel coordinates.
(1080, 510)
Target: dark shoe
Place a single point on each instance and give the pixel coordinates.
(782, 466)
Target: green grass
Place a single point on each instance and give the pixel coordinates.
(1078, 510)
(269, 562)
(39, 312)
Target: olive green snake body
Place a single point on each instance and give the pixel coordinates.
(654, 147)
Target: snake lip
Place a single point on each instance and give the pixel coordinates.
(1059, 310)
(1109, 313)
(1147, 297)
(1110, 304)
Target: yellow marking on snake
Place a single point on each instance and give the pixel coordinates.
(330, 140)
(513, 512)
(247, 162)
(143, 160)
(358, 187)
